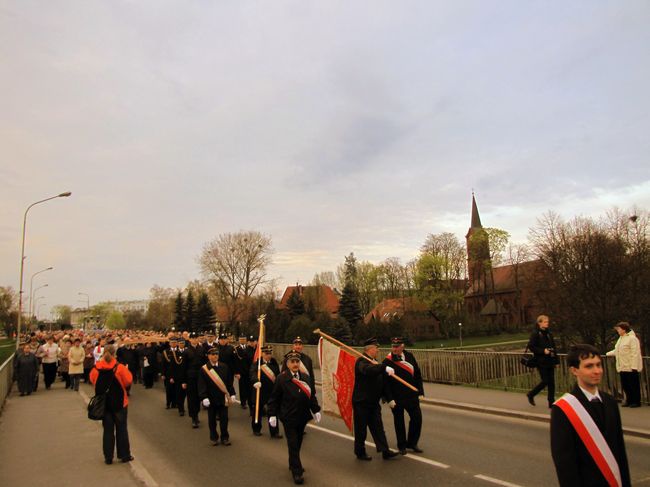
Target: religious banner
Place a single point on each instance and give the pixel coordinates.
(337, 375)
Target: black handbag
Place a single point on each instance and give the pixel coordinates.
(528, 360)
(97, 403)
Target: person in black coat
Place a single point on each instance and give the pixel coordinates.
(227, 355)
(194, 358)
(269, 372)
(573, 463)
(244, 357)
(25, 369)
(217, 393)
(306, 364)
(148, 360)
(400, 398)
(293, 400)
(167, 357)
(542, 344)
(368, 390)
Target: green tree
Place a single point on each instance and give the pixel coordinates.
(301, 326)
(349, 308)
(160, 312)
(205, 316)
(179, 311)
(134, 319)
(188, 312)
(8, 314)
(115, 321)
(295, 304)
(63, 314)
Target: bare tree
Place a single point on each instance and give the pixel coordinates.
(325, 278)
(236, 264)
(450, 252)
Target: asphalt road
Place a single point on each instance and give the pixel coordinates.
(460, 448)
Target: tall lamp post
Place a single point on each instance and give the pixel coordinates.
(460, 334)
(31, 299)
(22, 262)
(31, 286)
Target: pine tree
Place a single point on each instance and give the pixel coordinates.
(190, 311)
(179, 315)
(349, 308)
(204, 318)
(295, 304)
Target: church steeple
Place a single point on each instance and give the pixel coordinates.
(476, 219)
(478, 249)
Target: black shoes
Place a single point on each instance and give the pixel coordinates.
(127, 459)
(181, 413)
(277, 437)
(387, 455)
(226, 442)
(214, 441)
(195, 424)
(531, 399)
(402, 451)
(364, 457)
(257, 433)
(108, 461)
(416, 449)
(298, 478)
(634, 405)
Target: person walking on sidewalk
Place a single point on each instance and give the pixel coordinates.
(629, 363)
(49, 354)
(110, 375)
(25, 368)
(76, 357)
(216, 393)
(542, 344)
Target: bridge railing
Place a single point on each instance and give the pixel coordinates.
(6, 379)
(494, 370)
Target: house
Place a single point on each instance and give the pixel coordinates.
(322, 297)
(414, 315)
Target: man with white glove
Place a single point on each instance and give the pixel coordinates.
(216, 392)
(263, 379)
(293, 400)
(368, 390)
(390, 371)
(257, 385)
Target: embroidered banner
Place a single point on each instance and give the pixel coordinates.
(337, 372)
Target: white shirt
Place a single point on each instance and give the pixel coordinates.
(98, 352)
(50, 353)
(590, 396)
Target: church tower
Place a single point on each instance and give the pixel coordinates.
(478, 250)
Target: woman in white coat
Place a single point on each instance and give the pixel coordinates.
(629, 363)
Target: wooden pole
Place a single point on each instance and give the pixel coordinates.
(260, 344)
(359, 354)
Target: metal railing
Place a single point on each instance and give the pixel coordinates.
(6, 379)
(494, 370)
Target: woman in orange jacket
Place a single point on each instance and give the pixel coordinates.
(113, 378)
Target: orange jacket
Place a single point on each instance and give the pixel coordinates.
(122, 375)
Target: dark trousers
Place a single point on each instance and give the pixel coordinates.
(294, 433)
(74, 381)
(180, 397)
(245, 390)
(368, 416)
(548, 380)
(412, 407)
(87, 375)
(49, 374)
(257, 427)
(631, 387)
(66, 378)
(193, 402)
(147, 376)
(115, 432)
(170, 394)
(222, 411)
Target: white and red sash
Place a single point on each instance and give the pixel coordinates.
(268, 372)
(304, 370)
(212, 374)
(303, 386)
(403, 364)
(592, 438)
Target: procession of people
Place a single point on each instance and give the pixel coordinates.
(199, 373)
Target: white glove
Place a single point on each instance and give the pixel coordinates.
(273, 421)
(257, 385)
(317, 417)
(390, 371)
(233, 398)
(392, 404)
(206, 402)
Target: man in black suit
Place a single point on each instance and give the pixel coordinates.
(244, 357)
(293, 400)
(368, 389)
(268, 372)
(195, 359)
(574, 463)
(400, 398)
(216, 393)
(306, 364)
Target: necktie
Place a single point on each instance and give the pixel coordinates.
(295, 376)
(598, 407)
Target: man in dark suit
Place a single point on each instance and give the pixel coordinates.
(306, 364)
(195, 358)
(400, 398)
(293, 400)
(368, 389)
(268, 372)
(216, 393)
(244, 357)
(574, 463)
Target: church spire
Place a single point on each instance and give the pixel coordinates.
(476, 219)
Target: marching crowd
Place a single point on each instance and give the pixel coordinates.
(200, 371)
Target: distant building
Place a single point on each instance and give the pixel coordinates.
(322, 297)
(415, 316)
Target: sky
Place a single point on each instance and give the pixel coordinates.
(332, 126)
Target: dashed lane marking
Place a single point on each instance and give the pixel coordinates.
(137, 469)
(496, 481)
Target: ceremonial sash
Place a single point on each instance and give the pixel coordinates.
(304, 370)
(268, 372)
(303, 386)
(212, 374)
(592, 438)
(403, 364)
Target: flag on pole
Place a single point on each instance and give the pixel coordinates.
(337, 375)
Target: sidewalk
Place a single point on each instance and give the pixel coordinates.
(636, 422)
(46, 440)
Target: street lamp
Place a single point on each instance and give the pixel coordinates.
(460, 334)
(31, 299)
(39, 309)
(22, 262)
(31, 284)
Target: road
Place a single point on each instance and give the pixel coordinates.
(460, 448)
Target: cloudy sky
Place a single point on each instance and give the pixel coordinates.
(332, 126)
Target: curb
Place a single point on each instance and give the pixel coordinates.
(510, 413)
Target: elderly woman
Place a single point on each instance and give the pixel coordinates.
(76, 357)
(25, 370)
(628, 363)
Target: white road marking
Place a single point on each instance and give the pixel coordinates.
(137, 469)
(433, 463)
(496, 481)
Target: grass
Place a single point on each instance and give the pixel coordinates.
(7, 347)
(476, 342)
